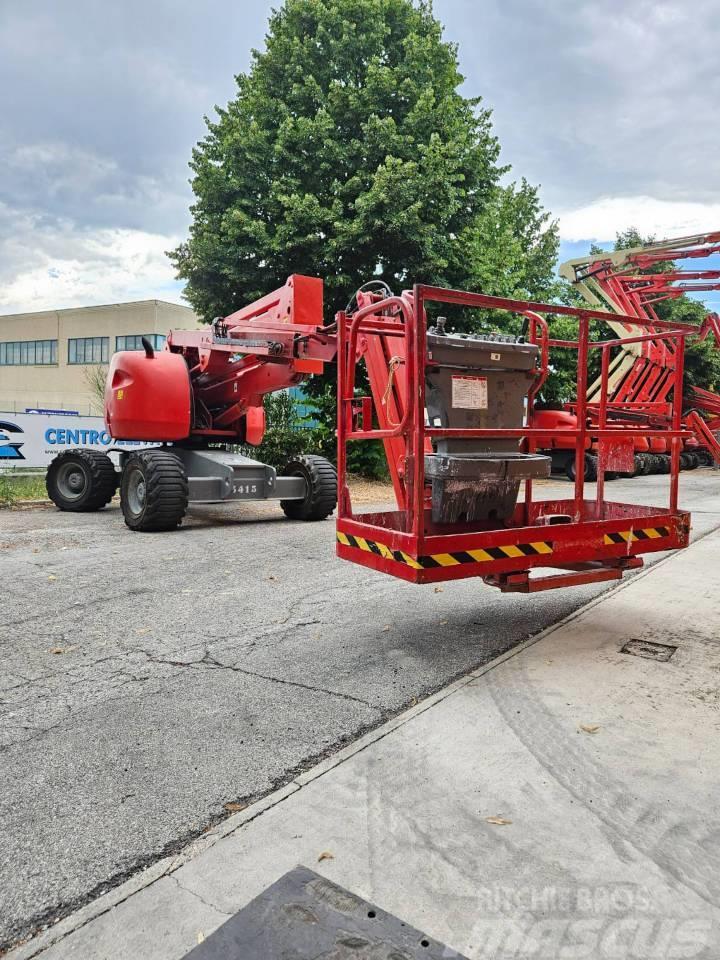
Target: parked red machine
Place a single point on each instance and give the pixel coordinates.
(453, 413)
(204, 390)
(629, 284)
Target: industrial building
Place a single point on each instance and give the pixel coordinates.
(48, 359)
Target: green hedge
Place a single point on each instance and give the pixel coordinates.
(289, 433)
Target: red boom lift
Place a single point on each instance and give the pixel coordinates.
(630, 283)
(203, 393)
(455, 414)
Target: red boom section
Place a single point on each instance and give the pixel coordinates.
(588, 540)
(633, 282)
(209, 384)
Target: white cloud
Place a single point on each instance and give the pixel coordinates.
(59, 264)
(604, 218)
(609, 106)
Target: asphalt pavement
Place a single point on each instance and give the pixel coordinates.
(149, 681)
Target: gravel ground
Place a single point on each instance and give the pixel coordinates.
(149, 680)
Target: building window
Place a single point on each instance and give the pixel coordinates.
(88, 350)
(25, 353)
(134, 341)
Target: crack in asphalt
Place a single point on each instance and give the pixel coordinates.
(76, 672)
(207, 660)
(77, 717)
(79, 605)
(124, 677)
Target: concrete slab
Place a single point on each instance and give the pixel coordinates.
(153, 926)
(563, 804)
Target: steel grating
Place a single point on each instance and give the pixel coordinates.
(649, 650)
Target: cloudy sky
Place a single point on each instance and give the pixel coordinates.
(610, 107)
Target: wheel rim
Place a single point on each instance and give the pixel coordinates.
(136, 492)
(71, 481)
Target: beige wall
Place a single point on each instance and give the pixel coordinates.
(64, 386)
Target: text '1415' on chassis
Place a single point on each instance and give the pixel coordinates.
(199, 397)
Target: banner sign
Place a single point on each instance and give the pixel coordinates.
(34, 439)
(59, 413)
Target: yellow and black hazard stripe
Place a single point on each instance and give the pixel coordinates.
(628, 536)
(508, 551)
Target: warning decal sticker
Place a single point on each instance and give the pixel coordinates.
(469, 393)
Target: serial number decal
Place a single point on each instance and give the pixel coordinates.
(469, 393)
(245, 488)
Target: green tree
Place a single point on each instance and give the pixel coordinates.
(350, 153)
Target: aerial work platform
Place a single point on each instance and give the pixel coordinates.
(455, 413)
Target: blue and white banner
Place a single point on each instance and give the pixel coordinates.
(33, 439)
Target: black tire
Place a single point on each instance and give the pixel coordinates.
(590, 468)
(153, 491)
(693, 460)
(684, 461)
(321, 496)
(81, 481)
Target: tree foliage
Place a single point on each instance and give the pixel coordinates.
(290, 432)
(286, 435)
(350, 153)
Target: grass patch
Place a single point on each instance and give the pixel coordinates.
(16, 488)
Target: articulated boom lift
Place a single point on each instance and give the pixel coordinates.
(640, 377)
(206, 388)
(455, 413)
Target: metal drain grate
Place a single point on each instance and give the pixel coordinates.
(649, 650)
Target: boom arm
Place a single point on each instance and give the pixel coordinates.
(271, 344)
(641, 374)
